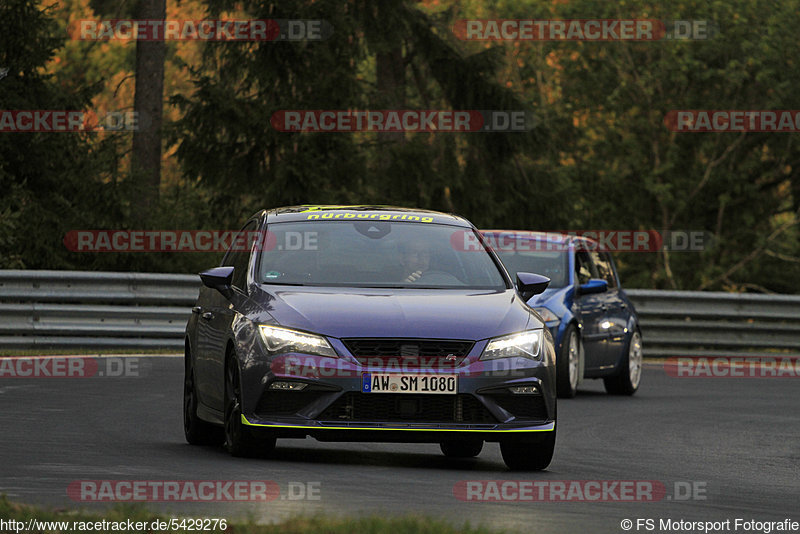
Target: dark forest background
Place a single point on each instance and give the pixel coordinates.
(600, 156)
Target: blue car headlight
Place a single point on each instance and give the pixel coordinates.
(526, 344)
(280, 340)
(547, 315)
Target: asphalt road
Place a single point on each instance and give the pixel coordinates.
(736, 439)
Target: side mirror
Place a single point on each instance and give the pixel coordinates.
(594, 285)
(530, 284)
(218, 278)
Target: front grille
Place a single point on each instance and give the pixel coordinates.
(522, 406)
(355, 406)
(285, 402)
(409, 353)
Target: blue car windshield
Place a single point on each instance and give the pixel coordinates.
(376, 253)
(552, 264)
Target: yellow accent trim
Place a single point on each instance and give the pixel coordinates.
(331, 207)
(248, 423)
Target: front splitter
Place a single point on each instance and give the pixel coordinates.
(400, 432)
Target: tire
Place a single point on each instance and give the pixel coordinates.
(461, 449)
(197, 431)
(568, 366)
(240, 440)
(627, 380)
(533, 455)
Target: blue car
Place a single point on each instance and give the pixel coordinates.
(594, 324)
(364, 323)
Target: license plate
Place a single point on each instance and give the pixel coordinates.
(408, 383)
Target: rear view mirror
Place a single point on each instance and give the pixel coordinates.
(530, 284)
(594, 285)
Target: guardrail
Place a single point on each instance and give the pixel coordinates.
(102, 310)
(68, 309)
(700, 323)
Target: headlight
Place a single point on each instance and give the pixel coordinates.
(524, 344)
(547, 315)
(282, 340)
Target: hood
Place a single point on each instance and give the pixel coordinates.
(418, 313)
(555, 293)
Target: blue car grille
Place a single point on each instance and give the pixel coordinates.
(410, 352)
(424, 408)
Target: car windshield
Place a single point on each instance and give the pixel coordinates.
(552, 264)
(375, 253)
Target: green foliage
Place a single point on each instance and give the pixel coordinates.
(55, 182)
(644, 176)
(42, 175)
(600, 157)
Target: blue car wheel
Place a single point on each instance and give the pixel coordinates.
(626, 382)
(568, 368)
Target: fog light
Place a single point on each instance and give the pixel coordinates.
(288, 386)
(524, 390)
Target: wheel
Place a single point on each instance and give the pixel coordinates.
(239, 439)
(529, 455)
(197, 431)
(626, 381)
(461, 449)
(568, 365)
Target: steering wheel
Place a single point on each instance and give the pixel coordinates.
(438, 277)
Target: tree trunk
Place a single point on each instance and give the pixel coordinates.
(148, 103)
(391, 81)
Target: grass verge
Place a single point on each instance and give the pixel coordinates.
(12, 511)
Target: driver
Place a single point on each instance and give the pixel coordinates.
(416, 260)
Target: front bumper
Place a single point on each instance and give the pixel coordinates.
(410, 432)
(333, 407)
